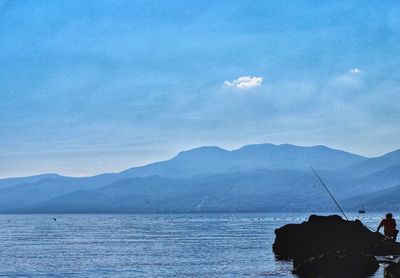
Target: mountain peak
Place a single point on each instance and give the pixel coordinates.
(201, 151)
(256, 146)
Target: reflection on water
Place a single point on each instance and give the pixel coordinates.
(167, 245)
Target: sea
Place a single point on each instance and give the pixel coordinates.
(148, 245)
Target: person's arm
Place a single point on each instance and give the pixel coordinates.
(380, 226)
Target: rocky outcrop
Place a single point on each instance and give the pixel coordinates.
(340, 264)
(328, 246)
(392, 271)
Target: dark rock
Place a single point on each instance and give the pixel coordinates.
(328, 234)
(328, 246)
(340, 264)
(392, 271)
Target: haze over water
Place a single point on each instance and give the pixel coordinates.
(155, 245)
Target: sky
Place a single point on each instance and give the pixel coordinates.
(88, 87)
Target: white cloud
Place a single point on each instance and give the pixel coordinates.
(245, 82)
(356, 71)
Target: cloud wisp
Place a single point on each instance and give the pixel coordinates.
(245, 82)
(356, 71)
(352, 79)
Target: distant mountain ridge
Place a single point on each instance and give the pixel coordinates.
(382, 200)
(15, 181)
(262, 177)
(206, 160)
(233, 192)
(374, 164)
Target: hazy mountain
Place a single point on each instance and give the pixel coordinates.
(265, 190)
(373, 165)
(251, 157)
(374, 182)
(383, 200)
(48, 187)
(262, 177)
(15, 181)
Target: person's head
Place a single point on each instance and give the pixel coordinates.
(389, 215)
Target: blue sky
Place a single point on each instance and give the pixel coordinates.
(99, 86)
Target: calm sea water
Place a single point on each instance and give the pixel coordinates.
(157, 245)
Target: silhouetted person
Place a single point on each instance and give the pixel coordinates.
(389, 225)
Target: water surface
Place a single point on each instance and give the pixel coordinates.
(156, 245)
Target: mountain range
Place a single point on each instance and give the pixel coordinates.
(262, 177)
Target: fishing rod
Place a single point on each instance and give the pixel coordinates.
(337, 204)
(330, 194)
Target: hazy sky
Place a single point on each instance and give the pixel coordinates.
(100, 86)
